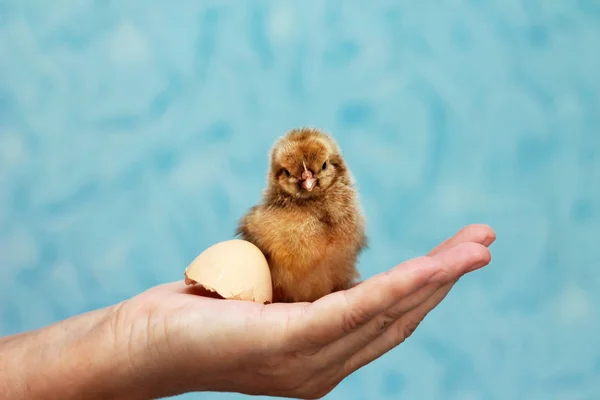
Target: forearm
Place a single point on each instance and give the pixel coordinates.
(73, 359)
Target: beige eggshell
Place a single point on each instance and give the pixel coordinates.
(234, 269)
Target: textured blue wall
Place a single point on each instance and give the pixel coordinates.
(134, 134)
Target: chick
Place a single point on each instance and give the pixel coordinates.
(309, 224)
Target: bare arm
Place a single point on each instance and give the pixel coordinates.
(74, 358)
(167, 340)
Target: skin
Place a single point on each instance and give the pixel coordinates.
(167, 340)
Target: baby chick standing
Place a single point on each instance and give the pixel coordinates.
(309, 223)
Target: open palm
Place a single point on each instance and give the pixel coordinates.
(292, 350)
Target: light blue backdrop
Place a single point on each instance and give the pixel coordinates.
(134, 134)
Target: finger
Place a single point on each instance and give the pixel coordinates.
(476, 233)
(342, 313)
(348, 345)
(396, 333)
(481, 234)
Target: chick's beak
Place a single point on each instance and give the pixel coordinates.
(309, 184)
(308, 181)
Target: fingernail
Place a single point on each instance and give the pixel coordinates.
(488, 241)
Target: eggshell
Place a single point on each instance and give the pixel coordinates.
(234, 269)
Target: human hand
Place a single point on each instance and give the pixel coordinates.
(178, 342)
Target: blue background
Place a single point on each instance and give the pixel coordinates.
(134, 134)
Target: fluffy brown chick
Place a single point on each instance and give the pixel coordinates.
(309, 223)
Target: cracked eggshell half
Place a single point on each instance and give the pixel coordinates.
(234, 269)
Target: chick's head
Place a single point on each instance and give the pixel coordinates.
(305, 163)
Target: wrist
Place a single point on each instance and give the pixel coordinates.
(75, 358)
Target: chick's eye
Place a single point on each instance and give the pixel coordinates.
(286, 172)
(324, 166)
